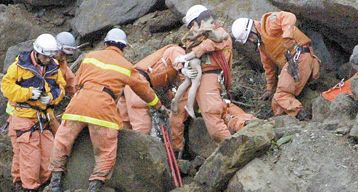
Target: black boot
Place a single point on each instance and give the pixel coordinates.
(302, 115)
(30, 190)
(95, 186)
(18, 186)
(55, 184)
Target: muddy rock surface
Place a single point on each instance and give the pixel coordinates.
(270, 154)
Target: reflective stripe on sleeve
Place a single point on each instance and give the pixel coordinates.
(91, 120)
(154, 102)
(10, 109)
(106, 66)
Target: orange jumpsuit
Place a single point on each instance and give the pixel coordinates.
(208, 95)
(101, 79)
(235, 117)
(31, 148)
(162, 75)
(275, 28)
(69, 78)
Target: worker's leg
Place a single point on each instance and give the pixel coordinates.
(29, 152)
(62, 145)
(176, 122)
(212, 107)
(284, 100)
(104, 142)
(138, 112)
(46, 147)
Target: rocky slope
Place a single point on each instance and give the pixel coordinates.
(317, 155)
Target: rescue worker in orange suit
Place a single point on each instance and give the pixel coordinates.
(100, 80)
(275, 35)
(34, 82)
(67, 45)
(218, 57)
(158, 70)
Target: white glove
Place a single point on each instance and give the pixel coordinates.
(45, 99)
(36, 92)
(180, 59)
(189, 72)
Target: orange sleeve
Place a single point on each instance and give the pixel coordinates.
(171, 54)
(270, 72)
(143, 90)
(69, 78)
(287, 21)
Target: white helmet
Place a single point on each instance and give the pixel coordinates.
(67, 42)
(116, 35)
(241, 29)
(193, 13)
(46, 44)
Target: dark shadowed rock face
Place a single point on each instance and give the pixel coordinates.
(141, 164)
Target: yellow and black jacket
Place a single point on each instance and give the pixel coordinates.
(23, 76)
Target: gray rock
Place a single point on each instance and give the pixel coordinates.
(354, 57)
(40, 3)
(320, 109)
(234, 153)
(354, 87)
(141, 164)
(200, 142)
(94, 15)
(318, 12)
(14, 51)
(313, 161)
(342, 110)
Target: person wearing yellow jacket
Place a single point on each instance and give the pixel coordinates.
(100, 80)
(283, 47)
(33, 83)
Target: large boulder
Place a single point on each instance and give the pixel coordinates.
(13, 51)
(234, 153)
(17, 25)
(321, 13)
(200, 143)
(94, 15)
(41, 3)
(141, 164)
(314, 160)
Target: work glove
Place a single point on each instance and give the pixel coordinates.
(45, 99)
(36, 92)
(179, 59)
(189, 72)
(267, 95)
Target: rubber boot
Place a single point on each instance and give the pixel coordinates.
(18, 187)
(30, 190)
(95, 186)
(55, 184)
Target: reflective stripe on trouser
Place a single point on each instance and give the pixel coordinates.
(104, 141)
(212, 108)
(138, 112)
(34, 151)
(284, 100)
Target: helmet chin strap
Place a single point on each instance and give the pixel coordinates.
(259, 40)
